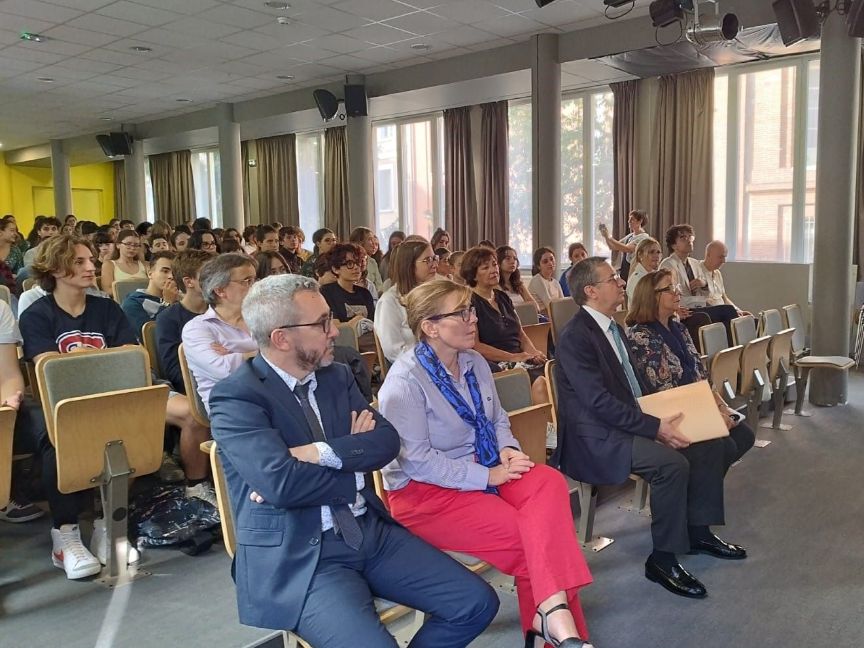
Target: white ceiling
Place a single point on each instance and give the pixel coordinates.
(211, 51)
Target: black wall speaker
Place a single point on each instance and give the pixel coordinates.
(797, 20)
(327, 104)
(115, 144)
(355, 101)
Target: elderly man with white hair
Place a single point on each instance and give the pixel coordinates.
(715, 257)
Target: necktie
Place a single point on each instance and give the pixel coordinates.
(343, 519)
(688, 271)
(625, 361)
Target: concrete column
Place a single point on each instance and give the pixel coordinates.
(360, 187)
(546, 140)
(135, 208)
(839, 80)
(62, 184)
(231, 169)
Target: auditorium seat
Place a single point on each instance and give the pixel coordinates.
(779, 374)
(196, 405)
(770, 322)
(561, 311)
(743, 330)
(528, 422)
(5, 295)
(712, 339)
(148, 340)
(122, 288)
(7, 427)
(754, 373)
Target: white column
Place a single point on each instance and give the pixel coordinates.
(546, 140)
(231, 168)
(135, 208)
(62, 184)
(360, 188)
(839, 80)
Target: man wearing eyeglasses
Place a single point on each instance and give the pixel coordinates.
(315, 543)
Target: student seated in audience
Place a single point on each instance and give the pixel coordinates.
(324, 239)
(218, 232)
(348, 301)
(393, 242)
(576, 252)
(20, 508)
(363, 259)
(440, 239)
(289, 248)
(544, 287)
(11, 256)
(250, 242)
(456, 266)
(366, 239)
(461, 481)
(444, 270)
(202, 224)
(603, 436)
(233, 234)
(264, 417)
(157, 244)
(179, 240)
(45, 228)
(267, 239)
(126, 262)
(715, 257)
(203, 240)
(270, 263)
(500, 338)
(217, 341)
(322, 270)
(67, 320)
(413, 264)
(510, 279)
(170, 321)
(142, 305)
(230, 246)
(486, 243)
(694, 285)
(637, 221)
(646, 259)
(127, 224)
(303, 253)
(143, 230)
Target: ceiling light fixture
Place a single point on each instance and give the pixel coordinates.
(183, 100)
(30, 36)
(285, 77)
(718, 28)
(275, 4)
(141, 48)
(421, 47)
(45, 79)
(283, 20)
(105, 119)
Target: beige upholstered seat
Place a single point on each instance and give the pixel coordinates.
(122, 288)
(7, 427)
(712, 339)
(196, 405)
(561, 311)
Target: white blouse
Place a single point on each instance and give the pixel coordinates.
(544, 290)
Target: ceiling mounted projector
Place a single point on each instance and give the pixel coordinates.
(716, 28)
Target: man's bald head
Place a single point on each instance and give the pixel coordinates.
(715, 255)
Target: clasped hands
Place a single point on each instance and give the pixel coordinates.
(513, 464)
(308, 453)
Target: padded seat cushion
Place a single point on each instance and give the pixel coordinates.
(828, 362)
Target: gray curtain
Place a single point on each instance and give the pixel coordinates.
(626, 96)
(682, 158)
(337, 211)
(244, 155)
(460, 207)
(494, 171)
(120, 192)
(173, 187)
(277, 180)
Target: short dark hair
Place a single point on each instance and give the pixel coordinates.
(319, 234)
(575, 246)
(177, 232)
(183, 227)
(338, 255)
(262, 231)
(289, 230)
(674, 232)
(87, 227)
(639, 214)
(583, 274)
(249, 233)
(187, 264)
(230, 245)
(126, 221)
(196, 240)
(471, 262)
(165, 254)
(201, 224)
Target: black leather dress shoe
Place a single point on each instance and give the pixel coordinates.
(675, 579)
(714, 546)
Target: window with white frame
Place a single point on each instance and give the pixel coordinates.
(765, 135)
(519, 159)
(409, 176)
(310, 181)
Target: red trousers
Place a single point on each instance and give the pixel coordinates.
(526, 531)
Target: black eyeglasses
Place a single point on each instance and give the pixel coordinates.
(465, 313)
(349, 263)
(614, 279)
(323, 323)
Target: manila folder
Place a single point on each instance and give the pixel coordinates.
(701, 421)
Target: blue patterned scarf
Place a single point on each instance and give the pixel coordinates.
(485, 439)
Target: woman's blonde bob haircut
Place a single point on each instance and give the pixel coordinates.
(643, 247)
(645, 306)
(426, 300)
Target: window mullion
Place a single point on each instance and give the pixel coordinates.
(799, 178)
(588, 172)
(400, 198)
(733, 176)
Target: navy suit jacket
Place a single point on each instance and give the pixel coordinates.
(597, 413)
(255, 420)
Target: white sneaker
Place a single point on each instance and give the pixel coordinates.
(70, 554)
(99, 544)
(203, 491)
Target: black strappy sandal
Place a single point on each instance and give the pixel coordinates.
(570, 642)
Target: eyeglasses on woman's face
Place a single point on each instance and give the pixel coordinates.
(464, 313)
(429, 260)
(208, 244)
(324, 323)
(131, 246)
(671, 288)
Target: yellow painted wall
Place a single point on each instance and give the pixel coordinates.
(27, 192)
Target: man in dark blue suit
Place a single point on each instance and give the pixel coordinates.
(603, 436)
(314, 542)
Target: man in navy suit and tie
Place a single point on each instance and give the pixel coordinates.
(314, 542)
(603, 436)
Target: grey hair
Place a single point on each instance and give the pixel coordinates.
(216, 274)
(583, 274)
(270, 304)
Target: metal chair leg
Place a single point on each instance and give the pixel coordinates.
(587, 509)
(778, 399)
(801, 377)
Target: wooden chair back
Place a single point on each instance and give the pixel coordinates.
(561, 311)
(196, 405)
(771, 322)
(383, 362)
(514, 389)
(754, 357)
(28, 283)
(223, 500)
(528, 425)
(552, 388)
(527, 313)
(779, 352)
(724, 370)
(5, 295)
(795, 320)
(94, 398)
(7, 427)
(539, 335)
(712, 339)
(148, 339)
(122, 288)
(743, 329)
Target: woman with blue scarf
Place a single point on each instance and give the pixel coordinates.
(461, 481)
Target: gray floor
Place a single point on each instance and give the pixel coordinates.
(796, 505)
